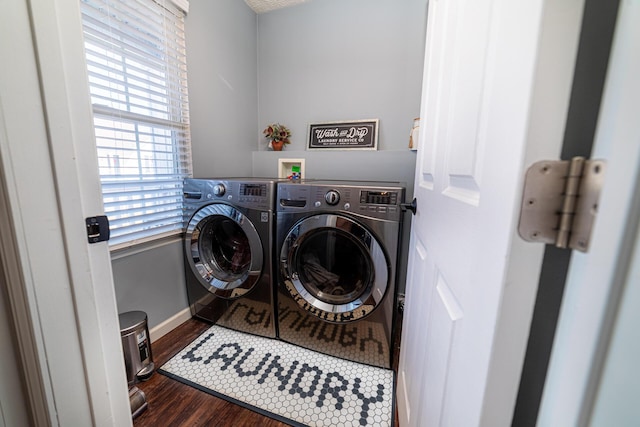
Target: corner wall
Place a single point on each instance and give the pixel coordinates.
(332, 60)
(222, 79)
(236, 87)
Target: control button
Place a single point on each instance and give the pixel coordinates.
(372, 208)
(332, 197)
(209, 195)
(363, 208)
(317, 204)
(347, 206)
(219, 190)
(393, 209)
(382, 209)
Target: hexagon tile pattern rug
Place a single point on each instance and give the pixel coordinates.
(283, 381)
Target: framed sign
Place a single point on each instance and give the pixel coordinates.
(355, 135)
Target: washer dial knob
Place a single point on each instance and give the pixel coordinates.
(219, 190)
(332, 197)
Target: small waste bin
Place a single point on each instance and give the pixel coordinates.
(136, 345)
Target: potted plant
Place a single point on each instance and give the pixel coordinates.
(278, 135)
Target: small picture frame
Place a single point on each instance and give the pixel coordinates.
(343, 135)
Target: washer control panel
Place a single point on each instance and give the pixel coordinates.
(251, 194)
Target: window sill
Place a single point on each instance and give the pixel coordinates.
(123, 250)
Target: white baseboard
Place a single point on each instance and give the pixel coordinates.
(170, 324)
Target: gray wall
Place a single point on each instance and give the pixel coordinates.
(343, 60)
(330, 60)
(151, 280)
(222, 67)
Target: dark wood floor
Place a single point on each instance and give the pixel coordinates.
(172, 403)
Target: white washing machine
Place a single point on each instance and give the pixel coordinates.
(337, 246)
(228, 250)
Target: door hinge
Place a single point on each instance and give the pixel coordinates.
(560, 202)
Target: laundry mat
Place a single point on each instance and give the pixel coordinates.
(284, 381)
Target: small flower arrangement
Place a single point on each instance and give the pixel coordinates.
(277, 132)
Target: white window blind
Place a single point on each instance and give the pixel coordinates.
(135, 52)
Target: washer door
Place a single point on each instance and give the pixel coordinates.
(334, 268)
(224, 250)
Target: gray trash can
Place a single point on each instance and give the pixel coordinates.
(136, 345)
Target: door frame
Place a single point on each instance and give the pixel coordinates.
(596, 279)
(598, 22)
(60, 287)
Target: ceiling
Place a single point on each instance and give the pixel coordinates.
(262, 6)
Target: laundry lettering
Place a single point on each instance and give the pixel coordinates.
(309, 381)
(191, 354)
(251, 316)
(348, 337)
(296, 387)
(221, 353)
(333, 384)
(241, 372)
(340, 334)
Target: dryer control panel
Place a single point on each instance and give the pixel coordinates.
(382, 201)
(379, 197)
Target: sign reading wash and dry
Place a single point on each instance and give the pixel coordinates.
(355, 135)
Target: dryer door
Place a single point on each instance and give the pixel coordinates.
(334, 267)
(224, 250)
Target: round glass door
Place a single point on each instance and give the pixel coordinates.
(224, 250)
(334, 267)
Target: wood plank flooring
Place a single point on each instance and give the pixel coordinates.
(172, 403)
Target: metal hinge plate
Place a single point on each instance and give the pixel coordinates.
(560, 202)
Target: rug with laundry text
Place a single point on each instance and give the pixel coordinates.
(286, 382)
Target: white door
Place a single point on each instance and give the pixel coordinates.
(597, 332)
(496, 87)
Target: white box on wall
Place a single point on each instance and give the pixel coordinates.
(285, 167)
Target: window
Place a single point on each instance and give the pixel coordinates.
(135, 52)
